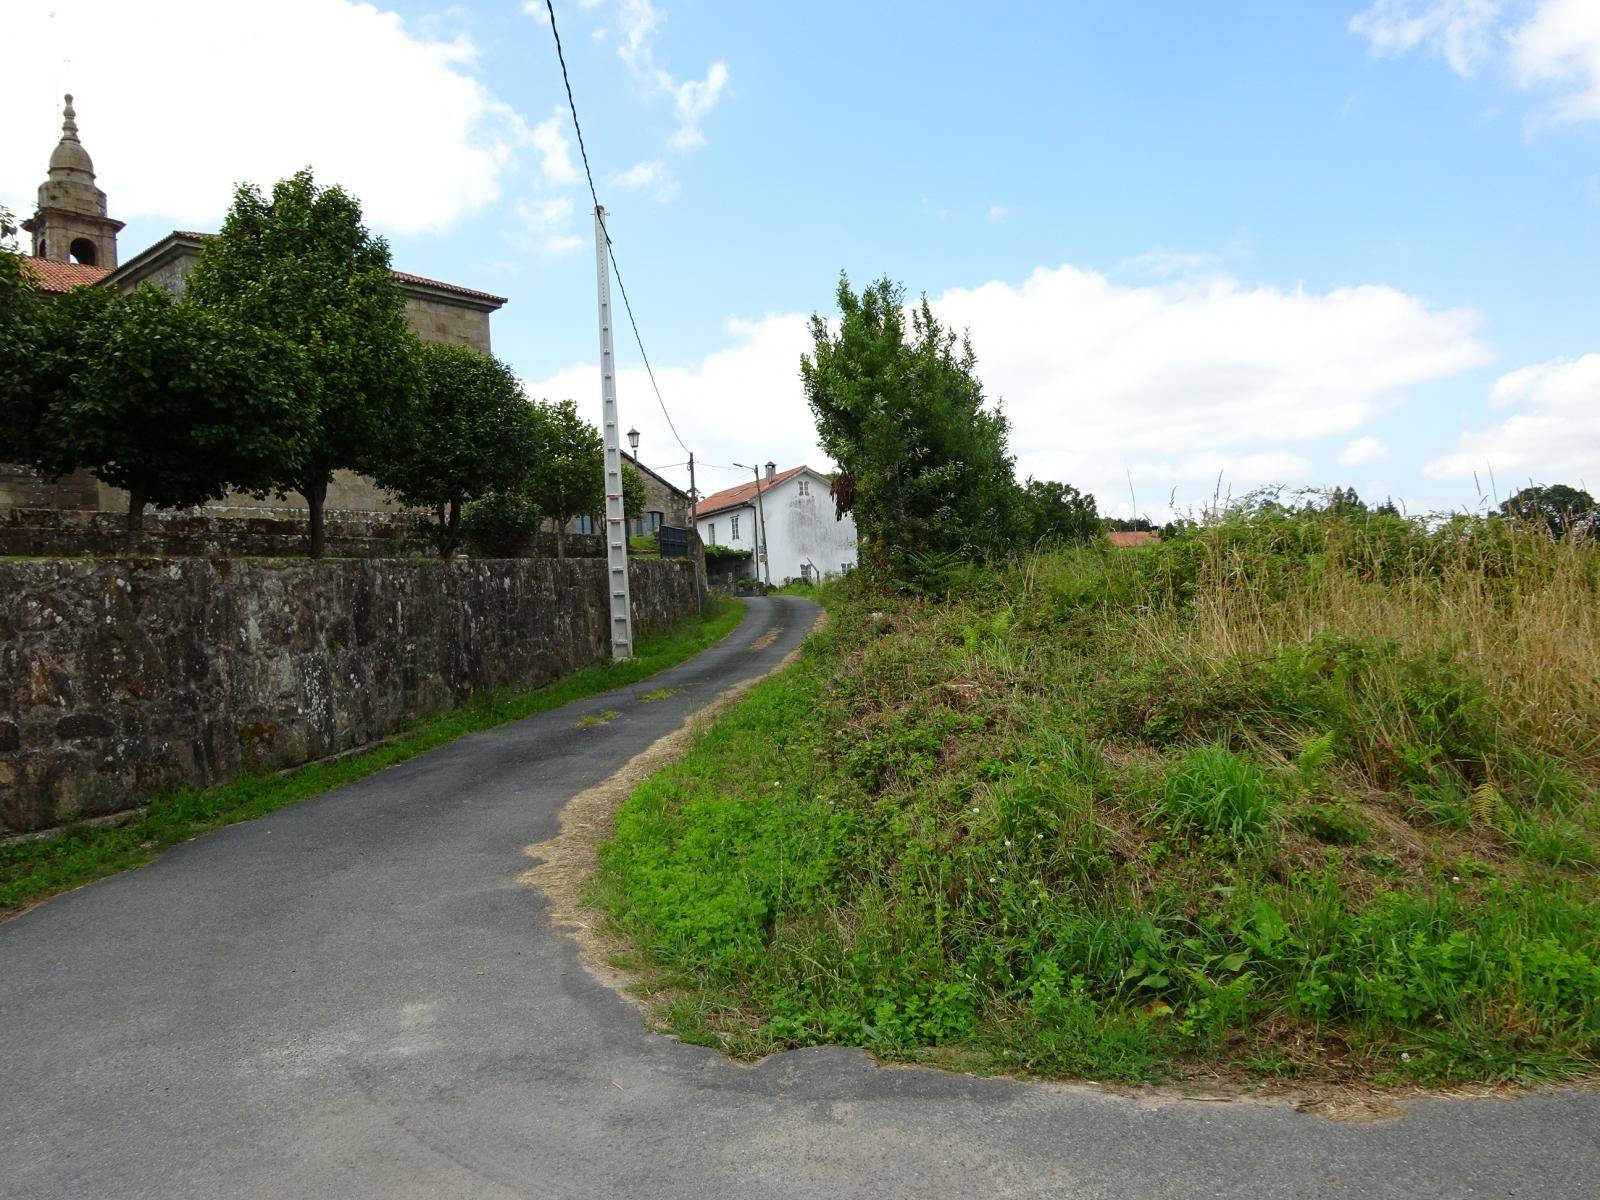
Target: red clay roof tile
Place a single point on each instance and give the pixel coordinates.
(744, 493)
(60, 276)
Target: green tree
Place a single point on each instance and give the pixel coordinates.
(633, 499)
(301, 264)
(473, 432)
(568, 479)
(42, 361)
(1344, 502)
(21, 338)
(1129, 524)
(923, 462)
(1559, 507)
(1058, 512)
(177, 404)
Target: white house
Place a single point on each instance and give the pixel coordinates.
(801, 538)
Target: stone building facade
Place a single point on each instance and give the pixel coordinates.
(75, 245)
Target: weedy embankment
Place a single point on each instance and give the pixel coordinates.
(1290, 796)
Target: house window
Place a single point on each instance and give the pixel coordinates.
(711, 534)
(735, 534)
(652, 521)
(805, 487)
(583, 524)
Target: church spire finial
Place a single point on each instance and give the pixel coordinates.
(69, 121)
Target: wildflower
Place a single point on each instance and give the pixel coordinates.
(1008, 841)
(974, 809)
(991, 879)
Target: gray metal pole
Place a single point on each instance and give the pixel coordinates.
(761, 517)
(616, 532)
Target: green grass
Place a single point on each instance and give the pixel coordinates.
(32, 871)
(1288, 798)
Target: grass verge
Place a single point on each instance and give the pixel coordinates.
(33, 871)
(1288, 798)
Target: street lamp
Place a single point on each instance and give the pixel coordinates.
(633, 440)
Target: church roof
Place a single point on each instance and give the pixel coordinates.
(62, 276)
(423, 281)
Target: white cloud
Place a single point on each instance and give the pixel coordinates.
(998, 213)
(1170, 382)
(653, 176)
(1552, 436)
(638, 22)
(254, 93)
(742, 403)
(1550, 44)
(555, 151)
(547, 225)
(1168, 264)
(1560, 47)
(1364, 451)
(1464, 31)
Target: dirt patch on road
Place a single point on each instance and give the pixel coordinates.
(569, 860)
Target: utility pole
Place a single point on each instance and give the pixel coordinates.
(616, 527)
(761, 523)
(694, 497)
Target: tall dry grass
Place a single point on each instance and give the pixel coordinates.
(1518, 609)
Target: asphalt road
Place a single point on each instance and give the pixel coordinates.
(356, 998)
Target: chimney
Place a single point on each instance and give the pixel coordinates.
(772, 470)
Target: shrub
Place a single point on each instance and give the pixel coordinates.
(1216, 792)
(501, 525)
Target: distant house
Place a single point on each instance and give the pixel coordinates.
(665, 503)
(803, 539)
(1133, 537)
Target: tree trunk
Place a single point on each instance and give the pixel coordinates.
(136, 503)
(561, 537)
(316, 494)
(452, 530)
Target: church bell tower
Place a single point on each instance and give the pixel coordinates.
(71, 223)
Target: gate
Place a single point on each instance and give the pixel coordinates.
(675, 542)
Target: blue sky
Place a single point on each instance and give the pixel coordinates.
(1302, 243)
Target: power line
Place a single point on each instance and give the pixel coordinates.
(611, 251)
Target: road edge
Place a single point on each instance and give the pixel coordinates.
(566, 861)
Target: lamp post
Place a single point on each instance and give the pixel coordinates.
(762, 556)
(633, 440)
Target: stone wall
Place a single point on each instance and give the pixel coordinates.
(255, 533)
(437, 320)
(119, 679)
(23, 487)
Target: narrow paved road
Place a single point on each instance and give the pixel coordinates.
(356, 998)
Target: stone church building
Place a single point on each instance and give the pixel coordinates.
(75, 245)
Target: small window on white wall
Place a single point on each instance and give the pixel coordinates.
(734, 534)
(711, 534)
(805, 487)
